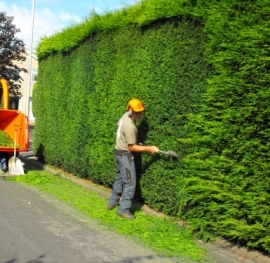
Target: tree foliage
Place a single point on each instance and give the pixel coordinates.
(11, 49)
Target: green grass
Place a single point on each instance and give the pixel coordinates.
(163, 235)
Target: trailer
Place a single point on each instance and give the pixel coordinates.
(13, 122)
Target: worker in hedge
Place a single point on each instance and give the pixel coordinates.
(126, 143)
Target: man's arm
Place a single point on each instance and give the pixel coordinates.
(142, 148)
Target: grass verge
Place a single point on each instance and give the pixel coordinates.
(163, 235)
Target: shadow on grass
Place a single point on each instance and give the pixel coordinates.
(136, 206)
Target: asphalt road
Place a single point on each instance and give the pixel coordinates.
(35, 228)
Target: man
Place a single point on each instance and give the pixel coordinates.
(126, 143)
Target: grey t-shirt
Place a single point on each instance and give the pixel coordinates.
(126, 133)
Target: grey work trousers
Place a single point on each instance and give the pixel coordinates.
(124, 184)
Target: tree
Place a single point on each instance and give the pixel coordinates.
(11, 49)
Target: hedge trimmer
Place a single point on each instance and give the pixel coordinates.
(170, 153)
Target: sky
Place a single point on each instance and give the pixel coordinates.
(52, 16)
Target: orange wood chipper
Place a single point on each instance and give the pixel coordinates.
(13, 122)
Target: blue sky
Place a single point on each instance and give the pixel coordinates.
(52, 16)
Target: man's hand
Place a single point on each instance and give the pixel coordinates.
(154, 149)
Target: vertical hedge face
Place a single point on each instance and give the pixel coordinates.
(61, 109)
(177, 84)
(91, 85)
(229, 167)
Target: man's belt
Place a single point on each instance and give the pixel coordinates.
(121, 152)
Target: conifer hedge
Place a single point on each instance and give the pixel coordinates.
(202, 71)
(229, 183)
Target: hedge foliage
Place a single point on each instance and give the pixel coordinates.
(229, 184)
(202, 71)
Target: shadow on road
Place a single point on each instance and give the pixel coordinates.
(37, 260)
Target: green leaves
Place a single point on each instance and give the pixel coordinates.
(140, 14)
(229, 166)
(5, 140)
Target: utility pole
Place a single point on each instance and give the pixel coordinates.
(30, 61)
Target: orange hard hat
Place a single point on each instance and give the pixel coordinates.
(135, 105)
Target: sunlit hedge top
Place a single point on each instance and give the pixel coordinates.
(140, 14)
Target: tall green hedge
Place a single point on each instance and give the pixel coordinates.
(94, 82)
(227, 192)
(202, 71)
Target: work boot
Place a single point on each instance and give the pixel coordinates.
(126, 215)
(110, 207)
